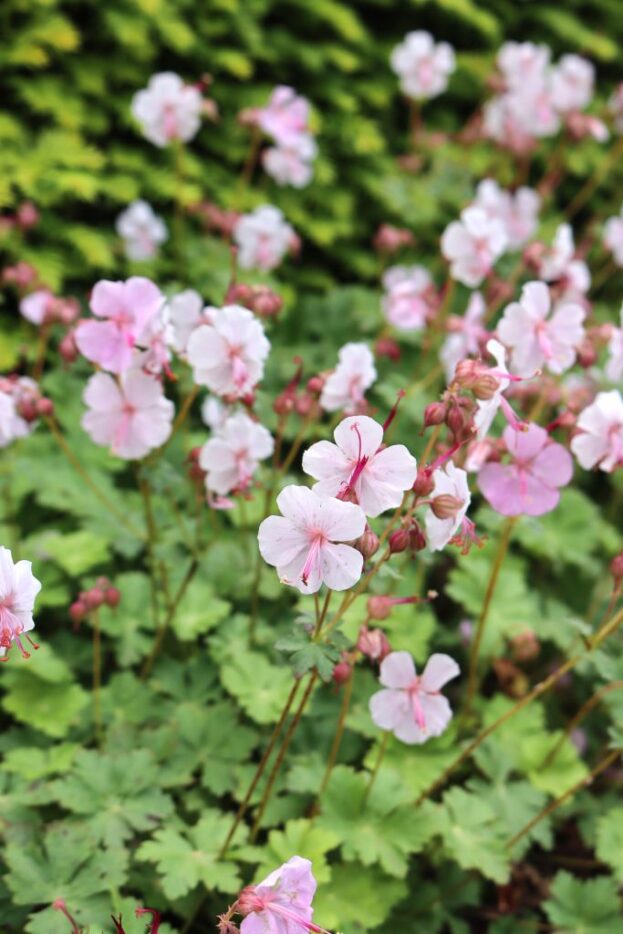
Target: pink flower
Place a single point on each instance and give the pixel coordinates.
(422, 65)
(614, 365)
(488, 408)
(451, 483)
(305, 542)
(141, 230)
(613, 238)
(228, 355)
(18, 589)
(263, 238)
(600, 441)
(529, 485)
(537, 340)
(559, 265)
(409, 301)
(286, 116)
(517, 211)
(184, 311)
(465, 335)
(523, 63)
(472, 246)
(412, 707)
(36, 306)
(168, 109)
(346, 386)
(572, 83)
(231, 457)
(291, 163)
(358, 462)
(127, 308)
(12, 425)
(131, 415)
(282, 902)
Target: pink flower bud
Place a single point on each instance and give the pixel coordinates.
(67, 348)
(386, 347)
(112, 596)
(94, 598)
(424, 483)
(368, 544)
(27, 215)
(455, 420)
(342, 673)
(398, 541)
(45, 407)
(390, 239)
(379, 607)
(446, 506)
(587, 354)
(525, 646)
(616, 568)
(373, 643)
(435, 414)
(315, 385)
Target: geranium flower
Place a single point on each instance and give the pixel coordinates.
(357, 462)
(228, 354)
(522, 63)
(305, 543)
(263, 238)
(168, 109)
(600, 440)
(141, 230)
(13, 392)
(18, 589)
(231, 457)
(291, 163)
(184, 311)
(530, 484)
(572, 83)
(127, 308)
(131, 416)
(558, 263)
(36, 307)
(487, 408)
(345, 387)
(282, 902)
(472, 246)
(444, 518)
(286, 116)
(409, 300)
(465, 335)
(517, 211)
(614, 365)
(537, 340)
(412, 707)
(422, 65)
(613, 237)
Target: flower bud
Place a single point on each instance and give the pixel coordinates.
(368, 544)
(446, 506)
(385, 347)
(424, 483)
(304, 403)
(315, 385)
(373, 643)
(398, 541)
(94, 598)
(27, 215)
(283, 404)
(342, 673)
(586, 354)
(455, 420)
(45, 407)
(389, 239)
(67, 347)
(112, 596)
(77, 611)
(485, 387)
(379, 607)
(435, 414)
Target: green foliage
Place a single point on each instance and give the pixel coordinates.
(584, 907)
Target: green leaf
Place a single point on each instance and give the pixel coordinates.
(471, 834)
(199, 611)
(76, 552)
(260, 688)
(46, 706)
(583, 906)
(303, 838)
(357, 898)
(306, 655)
(609, 846)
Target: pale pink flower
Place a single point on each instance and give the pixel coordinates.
(232, 456)
(291, 163)
(487, 409)
(449, 481)
(141, 230)
(613, 237)
(156, 342)
(614, 365)
(529, 484)
(16, 395)
(572, 83)
(18, 589)
(214, 413)
(184, 311)
(36, 306)
(358, 462)
(410, 297)
(282, 902)
(286, 116)
(126, 309)
(536, 339)
(422, 65)
(228, 355)
(558, 263)
(411, 707)
(517, 211)
(130, 415)
(465, 335)
(168, 109)
(472, 246)
(305, 543)
(263, 238)
(599, 442)
(346, 386)
(522, 63)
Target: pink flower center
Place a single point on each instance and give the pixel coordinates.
(317, 540)
(239, 369)
(543, 340)
(169, 121)
(414, 691)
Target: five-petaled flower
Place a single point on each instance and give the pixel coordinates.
(228, 354)
(599, 442)
(231, 457)
(282, 902)
(18, 589)
(345, 387)
(168, 109)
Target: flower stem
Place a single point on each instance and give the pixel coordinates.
(584, 710)
(375, 770)
(97, 676)
(541, 688)
(554, 805)
(287, 739)
(145, 491)
(163, 629)
(260, 769)
(178, 214)
(472, 683)
(591, 185)
(337, 739)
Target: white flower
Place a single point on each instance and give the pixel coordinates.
(559, 263)
(518, 211)
(168, 109)
(18, 590)
(572, 83)
(422, 65)
(291, 163)
(142, 230)
(377, 475)
(407, 303)
(614, 365)
(214, 413)
(523, 63)
(263, 238)
(600, 441)
(449, 481)
(465, 335)
(305, 543)
(345, 388)
(184, 312)
(472, 246)
(613, 237)
(231, 457)
(228, 355)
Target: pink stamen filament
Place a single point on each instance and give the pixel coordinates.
(394, 410)
(361, 461)
(292, 916)
(510, 416)
(312, 556)
(239, 370)
(418, 712)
